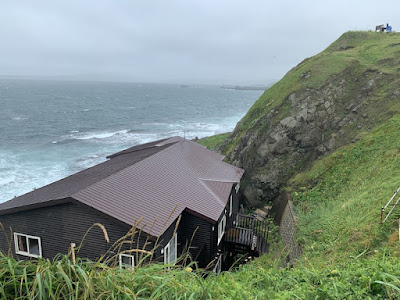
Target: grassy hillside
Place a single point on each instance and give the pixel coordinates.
(338, 201)
(355, 51)
(215, 141)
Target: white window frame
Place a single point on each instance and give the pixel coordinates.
(167, 249)
(122, 265)
(221, 228)
(27, 237)
(230, 205)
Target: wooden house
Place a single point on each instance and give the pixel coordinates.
(178, 195)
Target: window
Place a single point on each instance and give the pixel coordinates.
(126, 260)
(27, 245)
(171, 251)
(221, 228)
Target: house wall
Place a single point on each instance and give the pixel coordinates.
(235, 209)
(201, 241)
(236, 197)
(59, 225)
(164, 239)
(205, 238)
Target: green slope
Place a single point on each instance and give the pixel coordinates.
(355, 51)
(338, 201)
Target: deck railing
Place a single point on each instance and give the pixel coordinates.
(383, 209)
(249, 231)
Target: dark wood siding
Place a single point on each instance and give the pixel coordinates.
(202, 240)
(235, 208)
(236, 201)
(59, 225)
(164, 240)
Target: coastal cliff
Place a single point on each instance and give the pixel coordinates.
(324, 103)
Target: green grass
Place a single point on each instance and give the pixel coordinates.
(357, 278)
(338, 201)
(215, 141)
(351, 55)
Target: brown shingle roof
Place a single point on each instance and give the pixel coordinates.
(158, 180)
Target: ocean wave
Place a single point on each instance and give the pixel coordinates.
(7, 180)
(156, 124)
(88, 161)
(20, 118)
(20, 175)
(122, 137)
(100, 135)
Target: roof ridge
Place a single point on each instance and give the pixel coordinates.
(209, 189)
(217, 180)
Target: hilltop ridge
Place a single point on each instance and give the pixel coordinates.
(322, 104)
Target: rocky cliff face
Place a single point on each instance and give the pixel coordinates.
(319, 107)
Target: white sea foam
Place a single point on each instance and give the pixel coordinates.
(20, 118)
(99, 135)
(6, 180)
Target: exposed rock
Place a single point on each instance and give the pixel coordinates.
(310, 114)
(292, 97)
(306, 75)
(327, 104)
(315, 123)
(321, 149)
(289, 122)
(331, 144)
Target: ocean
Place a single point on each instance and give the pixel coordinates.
(52, 129)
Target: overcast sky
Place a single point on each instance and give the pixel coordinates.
(205, 41)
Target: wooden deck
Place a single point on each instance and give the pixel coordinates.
(248, 231)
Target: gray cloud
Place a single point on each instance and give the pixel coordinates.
(175, 41)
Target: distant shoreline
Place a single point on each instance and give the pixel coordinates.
(245, 88)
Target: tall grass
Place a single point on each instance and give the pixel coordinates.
(359, 278)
